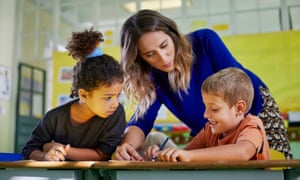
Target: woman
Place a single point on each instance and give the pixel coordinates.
(162, 66)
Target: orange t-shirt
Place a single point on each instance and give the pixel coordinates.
(250, 129)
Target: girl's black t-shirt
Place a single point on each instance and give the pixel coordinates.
(104, 134)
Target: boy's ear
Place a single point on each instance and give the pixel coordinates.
(241, 107)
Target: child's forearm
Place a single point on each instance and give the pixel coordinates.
(225, 152)
(37, 155)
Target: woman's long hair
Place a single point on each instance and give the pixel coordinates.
(138, 85)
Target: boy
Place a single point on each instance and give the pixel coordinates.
(230, 133)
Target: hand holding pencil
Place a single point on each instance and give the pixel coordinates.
(155, 143)
(161, 147)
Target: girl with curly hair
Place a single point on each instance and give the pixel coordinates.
(91, 126)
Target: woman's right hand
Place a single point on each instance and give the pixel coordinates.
(126, 152)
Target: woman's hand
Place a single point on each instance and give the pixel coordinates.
(151, 153)
(126, 152)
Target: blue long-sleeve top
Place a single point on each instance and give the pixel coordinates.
(210, 55)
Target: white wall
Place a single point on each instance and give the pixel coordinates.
(7, 120)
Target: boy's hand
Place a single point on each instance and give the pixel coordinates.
(173, 155)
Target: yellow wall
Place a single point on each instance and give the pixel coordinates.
(274, 57)
(60, 60)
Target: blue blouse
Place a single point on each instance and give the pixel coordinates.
(210, 55)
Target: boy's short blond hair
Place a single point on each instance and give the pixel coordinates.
(232, 84)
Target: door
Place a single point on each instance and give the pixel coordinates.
(30, 105)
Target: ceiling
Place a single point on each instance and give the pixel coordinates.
(79, 12)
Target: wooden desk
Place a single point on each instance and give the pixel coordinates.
(43, 170)
(121, 170)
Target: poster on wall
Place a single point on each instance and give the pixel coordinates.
(5, 79)
(65, 74)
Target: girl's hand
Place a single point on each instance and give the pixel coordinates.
(56, 153)
(50, 145)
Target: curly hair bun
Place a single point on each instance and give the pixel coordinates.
(83, 43)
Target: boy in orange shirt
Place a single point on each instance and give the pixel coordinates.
(230, 133)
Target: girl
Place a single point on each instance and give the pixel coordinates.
(90, 127)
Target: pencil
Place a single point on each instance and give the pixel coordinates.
(162, 146)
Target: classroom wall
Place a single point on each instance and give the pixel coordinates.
(274, 57)
(7, 34)
(7, 20)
